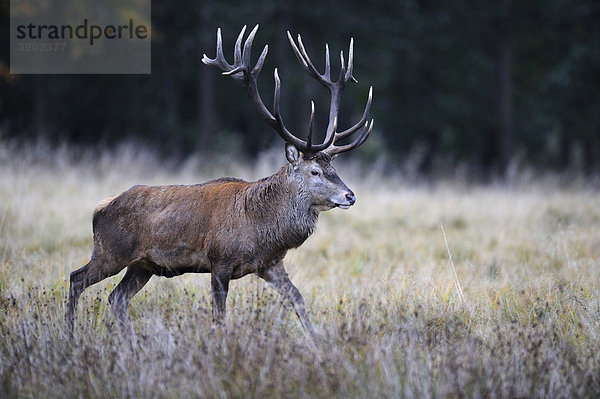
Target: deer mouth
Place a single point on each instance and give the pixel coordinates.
(343, 206)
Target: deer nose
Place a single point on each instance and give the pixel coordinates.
(351, 197)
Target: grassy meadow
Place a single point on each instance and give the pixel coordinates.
(420, 290)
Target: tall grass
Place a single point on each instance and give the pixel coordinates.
(377, 280)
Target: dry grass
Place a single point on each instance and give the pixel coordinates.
(377, 281)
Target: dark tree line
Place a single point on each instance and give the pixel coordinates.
(480, 83)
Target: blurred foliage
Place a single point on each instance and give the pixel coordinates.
(460, 82)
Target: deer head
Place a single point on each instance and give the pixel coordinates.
(309, 162)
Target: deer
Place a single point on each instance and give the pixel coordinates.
(228, 227)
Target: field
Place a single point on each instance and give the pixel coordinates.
(420, 290)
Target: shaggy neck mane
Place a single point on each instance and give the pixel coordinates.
(280, 210)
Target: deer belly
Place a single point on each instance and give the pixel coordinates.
(178, 260)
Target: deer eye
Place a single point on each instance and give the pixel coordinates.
(314, 172)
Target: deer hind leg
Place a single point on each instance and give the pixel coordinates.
(277, 278)
(134, 280)
(96, 270)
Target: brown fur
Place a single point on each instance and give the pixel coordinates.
(104, 203)
(226, 227)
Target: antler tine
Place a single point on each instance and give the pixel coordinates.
(351, 62)
(281, 129)
(362, 137)
(248, 47)
(310, 124)
(311, 67)
(276, 93)
(365, 136)
(219, 45)
(296, 51)
(219, 61)
(237, 52)
(302, 56)
(342, 78)
(327, 74)
(328, 139)
(360, 123)
(261, 61)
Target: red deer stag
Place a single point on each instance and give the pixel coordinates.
(227, 227)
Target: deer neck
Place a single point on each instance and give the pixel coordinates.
(279, 208)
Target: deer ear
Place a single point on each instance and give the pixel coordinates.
(292, 154)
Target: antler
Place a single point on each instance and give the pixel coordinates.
(335, 91)
(243, 74)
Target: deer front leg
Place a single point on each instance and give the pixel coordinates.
(277, 278)
(219, 283)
